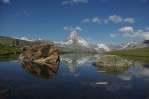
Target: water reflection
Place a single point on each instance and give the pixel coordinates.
(112, 70)
(73, 61)
(139, 71)
(76, 78)
(45, 70)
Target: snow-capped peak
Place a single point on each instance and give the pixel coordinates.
(73, 35)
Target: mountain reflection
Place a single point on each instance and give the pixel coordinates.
(73, 61)
(45, 71)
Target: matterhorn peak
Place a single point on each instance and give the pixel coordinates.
(73, 35)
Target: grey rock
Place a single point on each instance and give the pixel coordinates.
(112, 60)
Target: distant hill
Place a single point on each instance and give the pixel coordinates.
(129, 45)
(10, 40)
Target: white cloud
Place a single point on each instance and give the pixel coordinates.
(78, 28)
(96, 20)
(6, 1)
(141, 34)
(129, 20)
(73, 2)
(112, 18)
(115, 19)
(147, 28)
(70, 28)
(126, 30)
(65, 28)
(129, 32)
(113, 35)
(86, 20)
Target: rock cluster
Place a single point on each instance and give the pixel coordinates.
(40, 53)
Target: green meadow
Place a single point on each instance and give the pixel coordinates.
(139, 54)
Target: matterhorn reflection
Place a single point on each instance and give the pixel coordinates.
(45, 70)
(73, 61)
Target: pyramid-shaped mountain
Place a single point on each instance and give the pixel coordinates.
(75, 43)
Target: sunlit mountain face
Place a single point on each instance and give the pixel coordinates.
(78, 44)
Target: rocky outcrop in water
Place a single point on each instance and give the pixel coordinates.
(112, 60)
(41, 53)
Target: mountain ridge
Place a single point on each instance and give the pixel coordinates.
(74, 43)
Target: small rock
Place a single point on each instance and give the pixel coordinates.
(101, 83)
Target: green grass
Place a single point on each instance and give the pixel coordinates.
(64, 52)
(90, 52)
(139, 54)
(9, 49)
(9, 52)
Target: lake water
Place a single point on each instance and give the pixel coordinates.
(74, 78)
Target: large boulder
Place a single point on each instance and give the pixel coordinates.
(40, 53)
(112, 60)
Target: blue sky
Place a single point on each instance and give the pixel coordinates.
(99, 21)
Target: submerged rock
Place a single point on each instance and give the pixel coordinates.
(40, 53)
(112, 60)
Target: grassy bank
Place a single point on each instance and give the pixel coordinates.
(64, 52)
(139, 54)
(9, 52)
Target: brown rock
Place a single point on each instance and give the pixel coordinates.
(43, 52)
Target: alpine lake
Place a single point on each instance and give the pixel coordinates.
(74, 78)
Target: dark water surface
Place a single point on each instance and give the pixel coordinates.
(74, 78)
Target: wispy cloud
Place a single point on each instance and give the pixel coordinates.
(87, 20)
(78, 28)
(70, 28)
(6, 1)
(96, 20)
(113, 35)
(110, 19)
(119, 19)
(24, 12)
(73, 2)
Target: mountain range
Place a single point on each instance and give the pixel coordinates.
(74, 43)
